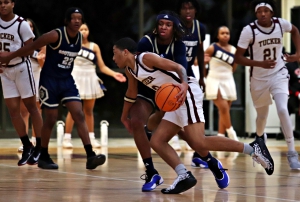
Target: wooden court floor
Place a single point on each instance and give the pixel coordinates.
(119, 178)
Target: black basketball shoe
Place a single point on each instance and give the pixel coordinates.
(95, 161)
(261, 155)
(46, 162)
(182, 183)
(34, 157)
(26, 154)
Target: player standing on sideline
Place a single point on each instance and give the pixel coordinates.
(263, 39)
(153, 71)
(17, 79)
(37, 61)
(87, 83)
(220, 85)
(57, 84)
(165, 41)
(193, 40)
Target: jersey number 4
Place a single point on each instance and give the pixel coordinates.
(269, 53)
(4, 47)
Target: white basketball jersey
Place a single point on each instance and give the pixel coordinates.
(152, 78)
(11, 38)
(266, 46)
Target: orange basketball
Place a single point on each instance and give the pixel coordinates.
(165, 97)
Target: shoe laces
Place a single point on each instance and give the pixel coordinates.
(177, 180)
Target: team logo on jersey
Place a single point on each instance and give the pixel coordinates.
(148, 80)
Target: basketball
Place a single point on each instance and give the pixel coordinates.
(165, 97)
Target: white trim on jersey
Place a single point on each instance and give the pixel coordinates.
(60, 38)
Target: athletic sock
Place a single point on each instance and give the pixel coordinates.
(180, 169)
(89, 150)
(25, 141)
(149, 164)
(38, 142)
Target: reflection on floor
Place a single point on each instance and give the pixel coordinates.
(119, 178)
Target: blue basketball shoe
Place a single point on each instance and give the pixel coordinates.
(221, 177)
(199, 163)
(153, 179)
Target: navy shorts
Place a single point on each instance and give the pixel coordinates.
(57, 90)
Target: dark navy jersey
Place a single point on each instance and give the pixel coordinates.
(195, 36)
(174, 51)
(60, 56)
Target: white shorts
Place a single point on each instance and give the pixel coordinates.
(220, 81)
(191, 111)
(18, 81)
(261, 90)
(36, 69)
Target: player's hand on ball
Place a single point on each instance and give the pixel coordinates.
(181, 96)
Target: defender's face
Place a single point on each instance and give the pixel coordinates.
(165, 28)
(6, 7)
(264, 15)
(224, 34)
(76, 21)
(84, 31)
(187, 12)
(119, 57)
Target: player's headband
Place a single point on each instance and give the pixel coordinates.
(263, 4)
(168, 17)
(72, 10)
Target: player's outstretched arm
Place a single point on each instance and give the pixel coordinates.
(45, 39)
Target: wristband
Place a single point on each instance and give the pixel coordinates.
(128, 99)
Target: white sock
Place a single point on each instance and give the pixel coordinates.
(220, 134)
(230, 130)
(67, 136)
(92, 134)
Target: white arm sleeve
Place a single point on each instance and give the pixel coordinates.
(26, 32)
(246, 37)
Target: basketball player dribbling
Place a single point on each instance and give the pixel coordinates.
(268, 73)
(17, 79)
(165, 41)
(57, 84)
(153, 71)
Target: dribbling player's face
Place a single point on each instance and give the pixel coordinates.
(264, 15)
(76, 21)
(84, 31)
(119, 57)
(6, 7)
(165, 29)
(224, 34)
(187, 12)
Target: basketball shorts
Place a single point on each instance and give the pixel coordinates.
(147, 94)
(261, 90)
(18, 81)
(54, 91)
(192, 110)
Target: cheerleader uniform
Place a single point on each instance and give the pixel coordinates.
(220, 76)
(84, 74)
